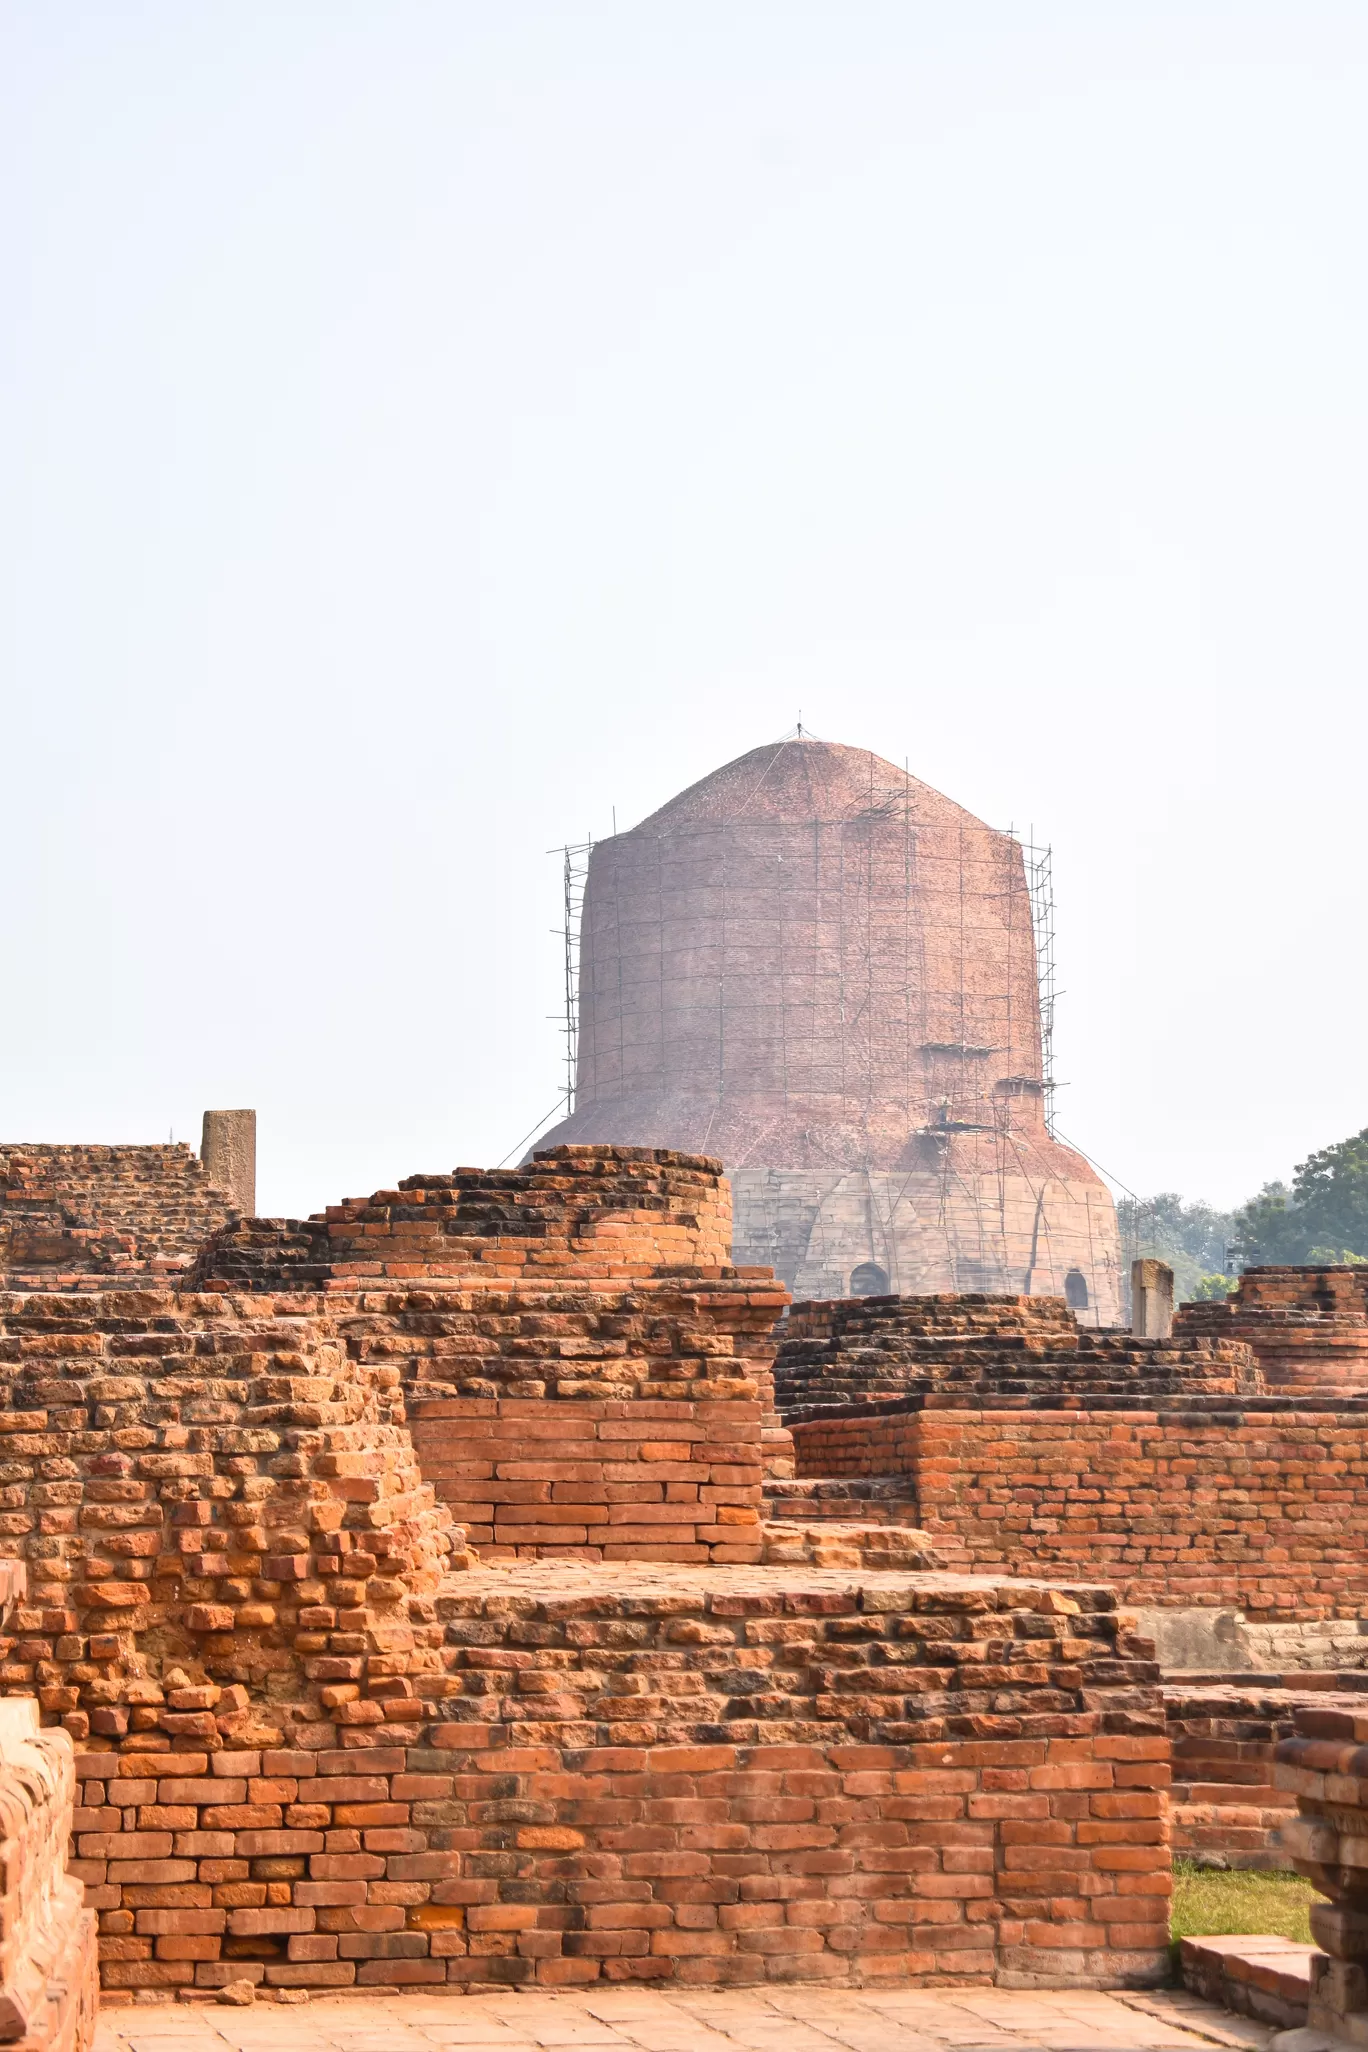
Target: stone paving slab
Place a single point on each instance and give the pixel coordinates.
(697, 2020)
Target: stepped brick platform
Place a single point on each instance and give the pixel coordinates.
(665, 1774)
(1307, 1327)
(866, 1499)
(323, 1745)
(867, 1350)
(624, 1214)
(86, 1218)
(1260, 1505)
(1225, 1730)
(1267, 1978)
(587, 1374)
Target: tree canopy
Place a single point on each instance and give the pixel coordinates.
(1321, 1221)
(1192, 1237)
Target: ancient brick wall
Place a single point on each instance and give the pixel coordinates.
(203, 1479)
(1225, 1803)
(867, 1350)
(83, 1217)
(586, 1374)
(48, 1974)
(603, 1423)
(661, 1774)
(232, 1475)
(1307, 1327)
(1325, 1766)
(677, 1478)
(1263, 1507)
(619, 1215)
(321, 1747)
(1005, 1323)
(866, 1499)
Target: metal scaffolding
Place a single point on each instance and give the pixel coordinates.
(848, 965)
(1039, 863)
(575, 870)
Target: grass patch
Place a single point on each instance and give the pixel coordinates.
(1210, 1901)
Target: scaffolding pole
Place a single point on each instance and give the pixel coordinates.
(575, 873)
(1039, 861)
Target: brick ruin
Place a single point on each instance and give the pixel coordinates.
(584, 1372)
(1320, 1774)
(1307, 1327)
(49, 1984)
(469, 1586)
(1215, 1478)
(870, 1351)
(1198, 1504)
(1022, 1444)
(323, 1741)
(1226, 1802)
(82, 1217)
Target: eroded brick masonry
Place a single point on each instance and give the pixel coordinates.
(322, 1743)
(1023, 1445)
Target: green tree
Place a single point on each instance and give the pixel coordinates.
(1211, 1288)
(1191, 1237)
(1322, 1221)
(1266, 1232)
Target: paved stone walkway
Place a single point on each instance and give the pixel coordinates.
(733, 2020)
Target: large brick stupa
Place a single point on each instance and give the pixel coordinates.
(823, 971)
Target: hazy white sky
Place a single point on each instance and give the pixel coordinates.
(429, 427)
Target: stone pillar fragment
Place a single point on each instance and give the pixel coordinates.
(1151, 1299)
(228, 1151)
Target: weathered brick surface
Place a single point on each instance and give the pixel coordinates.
(620, 1214)
(1225, 1802)
(83, 1217)
(1263, 1506)
(206, 1479)
(667, 1774)
(1324, 1765)
(864, 1350)
(48, 1986)
(1307, 1327)
(313, 1757)
(666, 1479)
(863, 1499)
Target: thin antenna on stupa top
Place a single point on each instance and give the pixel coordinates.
(800, 732)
